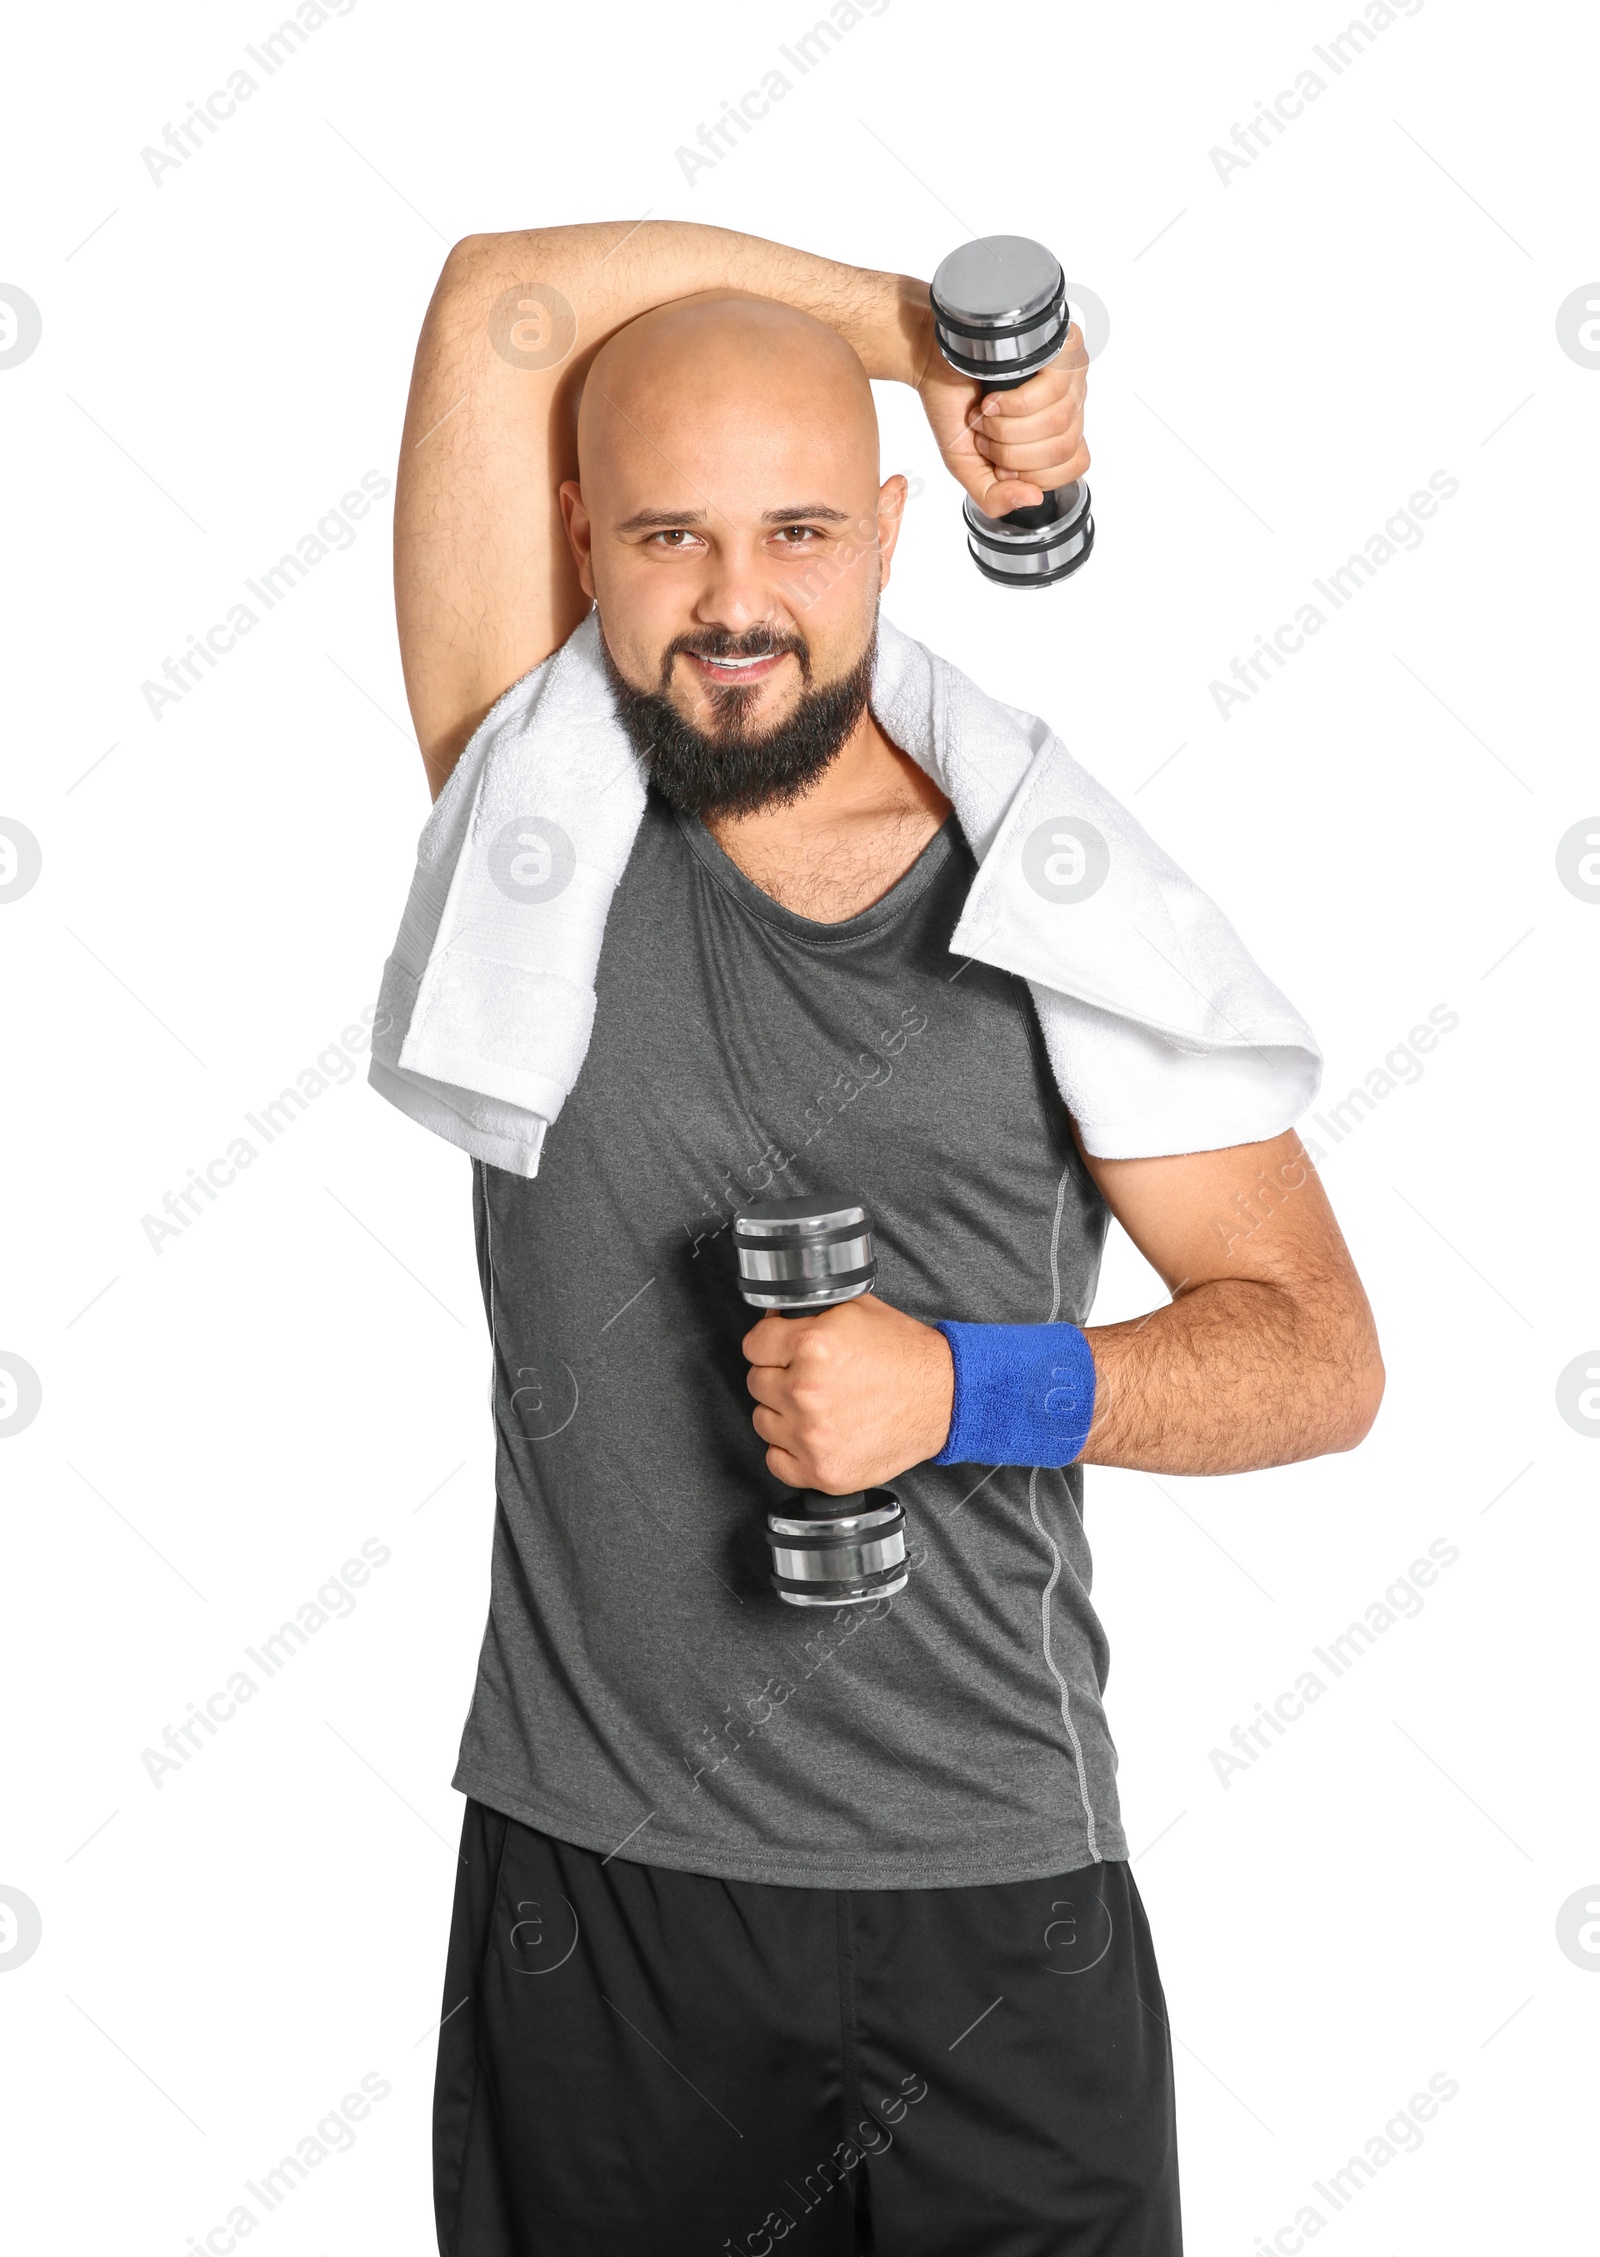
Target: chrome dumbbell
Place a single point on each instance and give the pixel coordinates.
(799, 1256)
(1000, 310)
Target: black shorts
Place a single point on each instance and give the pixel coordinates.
(671, 2065)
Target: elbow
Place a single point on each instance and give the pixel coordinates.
(464, 254)
(1362, 1394)
(470, 254)
(460, 280)
(477, 259)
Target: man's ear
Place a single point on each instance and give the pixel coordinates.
(892, 497)
(579, 531)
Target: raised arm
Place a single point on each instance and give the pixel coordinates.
(485, 586)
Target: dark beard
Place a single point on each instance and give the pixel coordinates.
(733, 772)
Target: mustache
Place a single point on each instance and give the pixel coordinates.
(718, 642)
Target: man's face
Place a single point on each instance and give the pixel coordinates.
(732, 531)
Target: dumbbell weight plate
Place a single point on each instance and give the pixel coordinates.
(843, 1561)
(1000, 307)
(798, 1255)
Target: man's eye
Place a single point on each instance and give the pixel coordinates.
(673, 535)
(798, 535)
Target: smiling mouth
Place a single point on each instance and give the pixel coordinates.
(737, 669)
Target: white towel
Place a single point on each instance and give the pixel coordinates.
(1163, 1034)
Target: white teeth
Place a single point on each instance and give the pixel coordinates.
(761, 661)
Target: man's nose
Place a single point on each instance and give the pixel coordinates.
(733, 591)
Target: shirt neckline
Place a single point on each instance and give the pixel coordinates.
(819, 932)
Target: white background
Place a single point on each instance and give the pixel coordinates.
(1293, 351)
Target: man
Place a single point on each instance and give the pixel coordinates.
(773, 1927)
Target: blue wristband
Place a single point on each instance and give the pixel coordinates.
(1024, 1394)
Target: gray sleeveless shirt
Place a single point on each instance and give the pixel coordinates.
(642, 1690)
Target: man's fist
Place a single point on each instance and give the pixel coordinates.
(1031, 443)
(850, 1397)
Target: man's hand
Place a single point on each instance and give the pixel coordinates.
(1030, 443)
(851, 1397)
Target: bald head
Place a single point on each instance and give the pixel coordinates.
(733, 370)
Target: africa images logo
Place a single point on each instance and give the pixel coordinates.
(531, 859)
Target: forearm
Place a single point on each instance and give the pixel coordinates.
(620, 272)
(484, 584)
(1231, 1376)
